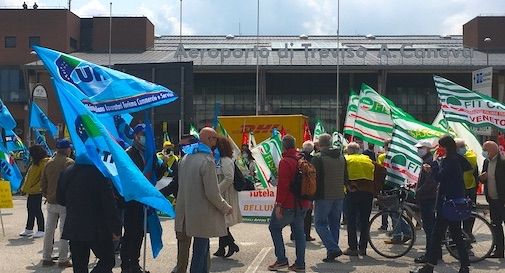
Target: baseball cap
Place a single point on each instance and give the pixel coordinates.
(63, 144)
(424, 143)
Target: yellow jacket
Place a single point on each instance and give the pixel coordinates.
(360, 167)
(468, 176)
(381, 158)
(32, 178)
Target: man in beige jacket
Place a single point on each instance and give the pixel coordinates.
(200, 208)
(49, 184)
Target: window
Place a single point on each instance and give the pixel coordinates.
(33, 40)
(12, 86)
(10, 42)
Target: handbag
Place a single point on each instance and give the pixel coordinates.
(457, 209)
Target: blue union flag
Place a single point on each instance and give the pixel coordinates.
(101, 89)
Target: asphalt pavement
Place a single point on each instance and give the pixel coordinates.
(20, 254)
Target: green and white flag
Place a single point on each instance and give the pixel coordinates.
(420, 130)
(461, 130)
(222, 131)
(472, 108)
(318, 131)
(338, 140)
(267, 155)
(402, 162)
(350, 116)
(193, 131)
(373, 122)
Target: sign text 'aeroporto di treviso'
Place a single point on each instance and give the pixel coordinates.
(406, 51)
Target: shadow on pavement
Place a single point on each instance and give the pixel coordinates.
(224, 265)
(20, 241)
(38, 268)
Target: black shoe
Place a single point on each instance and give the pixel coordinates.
(231, 250)
(332, 256)
(421, 259)
(309, 239)
(464, 269)
(220, 252)
(424, 269)
(362, 252)
(496, 255)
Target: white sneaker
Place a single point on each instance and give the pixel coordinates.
(27, 232)
(38, 234)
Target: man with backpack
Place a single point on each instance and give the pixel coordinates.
(290, 208)
(331, 176)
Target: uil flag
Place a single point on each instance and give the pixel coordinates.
(463, 105)
(94, 145)
(101, 89)
(39, 120)
(41, 140)
(7, 122)
(306, 132)
(318, 130)
(402, 163)
(9, 169)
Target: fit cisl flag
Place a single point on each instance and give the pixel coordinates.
(402, 163)
(472, 108)
(9, 170)
(101, 89)
(318, 130)
(267, 155)
(7, 122)
(373, 121)
(460, 130)
(350, 116)
(39, 120)
(94, 145)
(222, 131)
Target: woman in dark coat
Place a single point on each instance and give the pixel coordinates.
(447, 170)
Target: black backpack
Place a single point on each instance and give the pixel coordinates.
(239, 181)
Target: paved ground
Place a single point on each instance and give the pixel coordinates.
(23, 254)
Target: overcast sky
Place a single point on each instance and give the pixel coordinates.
(284, 17)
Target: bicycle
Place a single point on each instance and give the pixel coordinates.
(399, 240)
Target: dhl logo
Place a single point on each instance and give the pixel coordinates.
(257, 129)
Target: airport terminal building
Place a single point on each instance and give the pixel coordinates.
(288, 74)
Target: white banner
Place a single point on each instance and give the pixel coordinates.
(482, 81)
(259, 203)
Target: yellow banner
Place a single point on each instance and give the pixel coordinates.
(5, 195)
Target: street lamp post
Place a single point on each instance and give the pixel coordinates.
(487, 40)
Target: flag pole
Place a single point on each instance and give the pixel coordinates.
(145, 240)
(2, 220)
(110, 33)
(338, 65)
(257, 57)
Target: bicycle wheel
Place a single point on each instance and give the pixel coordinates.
(479, 241)
(396, 240)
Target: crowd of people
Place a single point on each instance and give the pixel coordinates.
(93, 217)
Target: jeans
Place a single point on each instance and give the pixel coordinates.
(103, 250)
(54, 212)
(497, 213)
(327, 221)
(359, 203)
(199, 262)
(34, 207)
(438, 235)
(427, 208)
(402, 229)
(295, 218)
